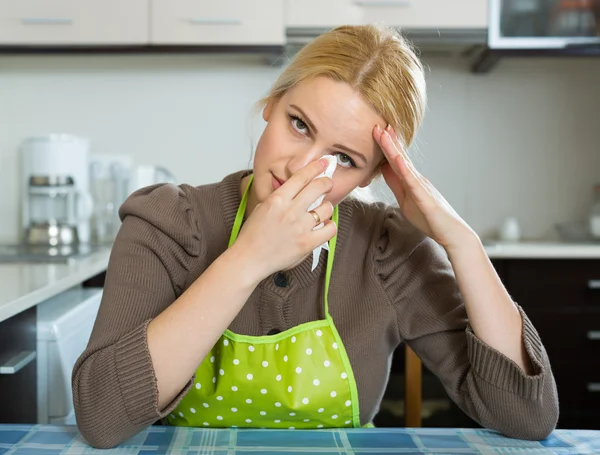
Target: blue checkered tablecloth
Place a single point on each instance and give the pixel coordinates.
(65, 440)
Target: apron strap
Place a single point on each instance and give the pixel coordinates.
(237, 225)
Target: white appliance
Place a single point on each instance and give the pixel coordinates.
(64, 325)
(146, 175)
(56, 201)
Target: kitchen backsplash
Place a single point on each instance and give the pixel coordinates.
(523, 140)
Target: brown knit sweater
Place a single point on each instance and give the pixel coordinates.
(389, 284)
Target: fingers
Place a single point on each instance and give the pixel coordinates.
(315, 189)
(320, 236)
(395, 182)
(397, 158)
(323, 213)
(302, 178)
(397, 146)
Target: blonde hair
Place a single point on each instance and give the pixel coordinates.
(375, 61)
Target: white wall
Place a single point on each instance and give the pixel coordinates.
(523, 140)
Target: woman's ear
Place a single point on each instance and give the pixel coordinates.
(266, 114)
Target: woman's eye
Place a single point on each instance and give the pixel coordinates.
(299, 125)
(345, 161)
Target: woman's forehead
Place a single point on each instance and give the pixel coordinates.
(338, 112)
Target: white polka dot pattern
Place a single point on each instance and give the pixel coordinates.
(298, 382)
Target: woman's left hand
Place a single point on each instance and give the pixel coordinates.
(421, 204)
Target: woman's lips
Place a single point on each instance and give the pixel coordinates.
(276, 182)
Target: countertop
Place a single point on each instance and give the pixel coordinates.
(23, 285)
(50, 440)
(541, 250)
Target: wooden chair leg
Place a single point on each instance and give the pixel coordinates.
(412, 388)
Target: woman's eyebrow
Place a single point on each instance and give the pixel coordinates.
(307, 119)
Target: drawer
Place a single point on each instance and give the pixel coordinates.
(226, 22)
(411, 14)
(73, 22)
(18, 388)
(332, 13)
(570, 337)
(547, 284)
(426, 14)
(579, 390)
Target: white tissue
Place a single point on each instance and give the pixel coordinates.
(331, 167)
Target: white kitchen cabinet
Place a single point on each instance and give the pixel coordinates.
(322, 13)
(409, 14)
(223, 22)
(73, 22)
(427, 14)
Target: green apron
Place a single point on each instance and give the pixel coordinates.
(300, 378)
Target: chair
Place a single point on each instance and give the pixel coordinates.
(413, 372)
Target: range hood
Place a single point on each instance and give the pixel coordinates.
(515, 28)
(437, 41)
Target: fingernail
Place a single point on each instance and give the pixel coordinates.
(388, 127)
(378, 129)
(324, 162)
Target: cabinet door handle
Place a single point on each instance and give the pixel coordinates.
(47, 20)
(593, 335)
(209, 21)
(593, 386)
(383, 2)
(594, 284)
(18, 362)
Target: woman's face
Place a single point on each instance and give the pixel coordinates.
(317, 118)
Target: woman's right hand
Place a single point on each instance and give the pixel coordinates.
(279, 232)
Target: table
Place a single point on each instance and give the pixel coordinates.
(66, 440)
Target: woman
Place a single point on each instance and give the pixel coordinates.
(206, 324)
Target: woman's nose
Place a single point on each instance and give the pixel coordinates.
(301, 159)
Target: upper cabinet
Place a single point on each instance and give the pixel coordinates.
(238, 23)
(73, 22)
(223, 22)
(409, 14)
(322, 13)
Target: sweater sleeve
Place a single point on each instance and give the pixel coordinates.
(417, 277)
(115, 389)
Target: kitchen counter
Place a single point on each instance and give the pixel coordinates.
(24, 285)
(541, 250)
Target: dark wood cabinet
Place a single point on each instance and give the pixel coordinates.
(562, 299)
(18, 391)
